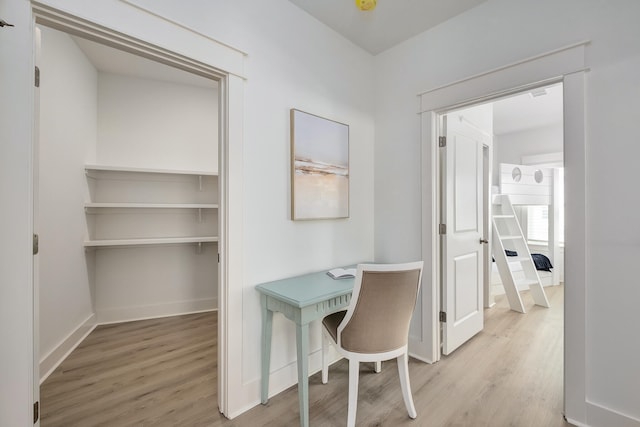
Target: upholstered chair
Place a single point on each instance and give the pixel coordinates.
(375, 326)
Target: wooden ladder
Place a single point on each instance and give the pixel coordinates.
(507, 234)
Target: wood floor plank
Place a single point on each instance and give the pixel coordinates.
(162, 372)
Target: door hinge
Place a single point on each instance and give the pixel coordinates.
(442, 141)
(37, 77)
(36, 412)
(443, 316)
(218, 257)
(442, 229)
(36, 244)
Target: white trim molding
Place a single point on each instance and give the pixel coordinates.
(138, 4)
(529, 73)
(55, 357)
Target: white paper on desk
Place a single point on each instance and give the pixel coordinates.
(342, 273)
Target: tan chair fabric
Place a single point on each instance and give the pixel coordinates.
(331, 323)
(381, 317)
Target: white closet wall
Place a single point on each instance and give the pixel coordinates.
(68, 134)
(154, 124)
(511, 147)
(121, 118)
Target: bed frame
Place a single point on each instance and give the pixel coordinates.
(531, 186)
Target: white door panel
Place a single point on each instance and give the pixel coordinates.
(462, 251)
(466, 291)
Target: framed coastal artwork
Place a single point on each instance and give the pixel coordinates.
(319, 167)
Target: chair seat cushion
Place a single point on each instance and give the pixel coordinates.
(331, 323)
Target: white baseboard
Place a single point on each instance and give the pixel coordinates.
(128, 314)
(599, 416)
(51, 361)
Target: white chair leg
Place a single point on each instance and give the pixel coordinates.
(325, 358)
(377, 367)
(403, 371)
(354, 373)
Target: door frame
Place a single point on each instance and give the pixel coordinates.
(566, 65)
(227, 71)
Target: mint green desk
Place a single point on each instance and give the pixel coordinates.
(301, 299)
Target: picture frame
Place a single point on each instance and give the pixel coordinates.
(319, 167)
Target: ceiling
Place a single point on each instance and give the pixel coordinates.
(390, 23)
(522, 112)
(110, 60)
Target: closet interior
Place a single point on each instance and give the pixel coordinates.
(126, 191)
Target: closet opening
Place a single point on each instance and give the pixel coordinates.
(129, 203)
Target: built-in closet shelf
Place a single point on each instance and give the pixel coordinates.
(152, 205)
(105, 168)
(129, 207)
(503, 216)
(145, 242)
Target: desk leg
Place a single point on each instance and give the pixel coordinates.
(302, 341)
(267, 320)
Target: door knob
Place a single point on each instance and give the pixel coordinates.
(483, 241)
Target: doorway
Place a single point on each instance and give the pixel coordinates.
(155, 219)
(525, 133)
(566, 65)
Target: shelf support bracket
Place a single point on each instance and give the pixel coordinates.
(199, 248)
(199, 182)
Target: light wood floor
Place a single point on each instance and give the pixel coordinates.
(163, 373)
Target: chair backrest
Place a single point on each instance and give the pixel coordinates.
(381, 307)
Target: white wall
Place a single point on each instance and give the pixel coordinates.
(498, 33)
(154, 124)
(68, 115)
(147, 123)
(510, 147)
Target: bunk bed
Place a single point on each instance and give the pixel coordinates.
(530, 186)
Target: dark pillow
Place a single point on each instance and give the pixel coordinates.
(542, 262)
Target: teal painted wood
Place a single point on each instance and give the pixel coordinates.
(301, 299)
(267, 321)
(308, 289)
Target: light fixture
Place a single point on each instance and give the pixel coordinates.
(366, 4)
(538, 92)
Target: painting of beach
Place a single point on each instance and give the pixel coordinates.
(320, 167)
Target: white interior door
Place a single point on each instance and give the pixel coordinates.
(462, 249)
